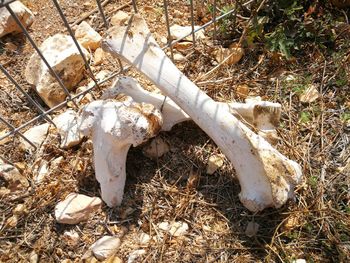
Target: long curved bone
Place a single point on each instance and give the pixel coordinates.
(263, 115)
(114, 126)
(267, 177)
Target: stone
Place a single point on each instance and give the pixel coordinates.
(144, 238)
(242, 91)
(76, 208)
(33, 257)
(235, 53)
(178, 57)
(252, 229)
(177, 31)
(12, 221)
(299, 260)
(19, 209)
(215, 162)
(62, 54)
(99, 56)
(42, 170)
(156, 148)
(176, 229)
(8, 24)
(71, 238)
(36, 135)
(113, 259)
(67, 126)
(135, 254)
(12, 178)
(87, 36)
(119, 18)
(105, 247)
(55, 163)
(310, 94)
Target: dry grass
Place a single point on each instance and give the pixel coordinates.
(315, 227)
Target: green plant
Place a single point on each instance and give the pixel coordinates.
(345, 117)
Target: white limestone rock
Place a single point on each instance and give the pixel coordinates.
(76, 208)
(36, 135)
(63, 56)
(67, 125)
(177, 31)
(105, 247)
(176, 229)
(71, 237)
(87, 36)
(8, 24)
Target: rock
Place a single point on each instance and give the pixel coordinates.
(242, 91)
(163, 40)
(135, 254)
(113, 259)
(36, 135)
(310, 94)
(252, 229)
(99, 56)
(144, 239)
(156, 148)
(19, 209)
(214, 163)
(119, 18)
(12, 178)
(33, 257)
(67, 126)
(177, 31)
(178, 57)
(175, 229)
(12, 221)
(235, 53)
(87, 36)
(71, 238)
(42, 170)
(55, 163)
(105, 247)
(76, 208)
(8, 24)
(299, 260)
(63, 56)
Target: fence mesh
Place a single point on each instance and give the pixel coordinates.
(42, 113)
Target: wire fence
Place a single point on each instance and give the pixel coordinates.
(46, 114)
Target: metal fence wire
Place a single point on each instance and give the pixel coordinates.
(45, 114)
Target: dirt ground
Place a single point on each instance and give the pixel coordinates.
(175, 187)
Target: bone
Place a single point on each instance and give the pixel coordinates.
(263, 115)
(114, 126)
(267, 177)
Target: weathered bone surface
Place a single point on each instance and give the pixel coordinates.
(263, 115)
(267, 177)
(114, 126)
